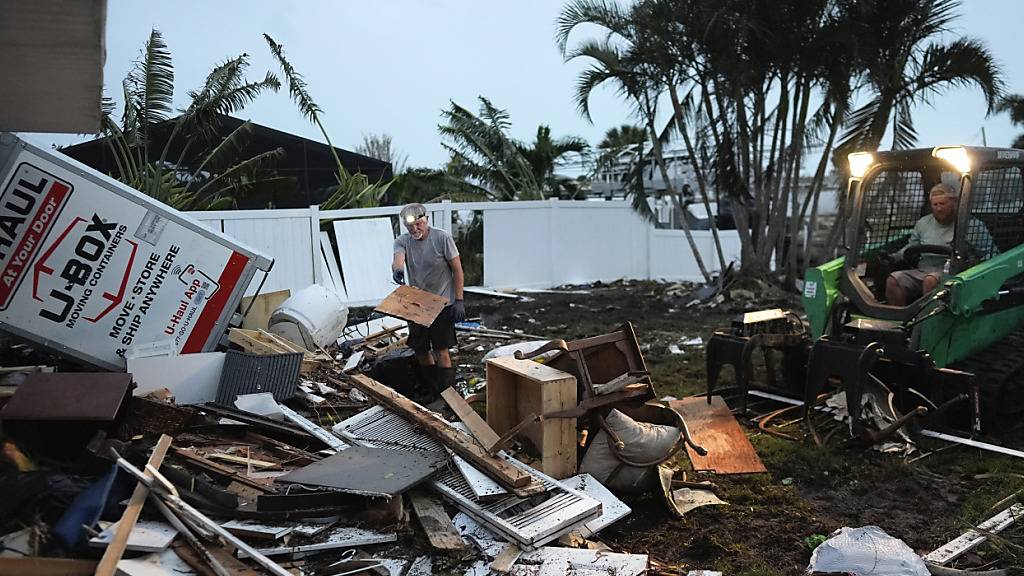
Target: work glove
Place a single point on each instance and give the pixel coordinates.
(459, 311)
(398, 276)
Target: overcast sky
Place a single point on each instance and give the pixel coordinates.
(391, 66)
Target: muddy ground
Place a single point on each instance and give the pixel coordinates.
(809, 491)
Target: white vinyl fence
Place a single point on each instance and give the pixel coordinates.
(537, 244)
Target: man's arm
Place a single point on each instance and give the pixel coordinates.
(458, 280)
(398, 267)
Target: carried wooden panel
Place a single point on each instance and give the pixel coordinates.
(412, 304)
(518, 388)
(715, 428)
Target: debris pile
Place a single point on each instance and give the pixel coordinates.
(271, 457)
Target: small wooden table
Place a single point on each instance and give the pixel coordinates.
(518, 388)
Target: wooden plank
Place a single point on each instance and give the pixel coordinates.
(715, 428)
(280, 341)
(436, 523)
(505, 473)
(38, 566)
(264, 305)
(413, 305)
(235, 459)
(247, 342)
(477, 426)
(108, 564)
(508, 556)
(517, 389)
(218, 469)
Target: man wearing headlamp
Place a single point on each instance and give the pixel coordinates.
(434, 266)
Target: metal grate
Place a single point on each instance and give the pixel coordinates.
(893, 203)
(246, 373)
(529, 522)
(997, 212)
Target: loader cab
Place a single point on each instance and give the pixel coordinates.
(888, 193)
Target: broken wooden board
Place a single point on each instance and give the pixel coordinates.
(263, 305)
(520, 482)
(264, 343)
(477, 426)
(436, 523)
(715, 428)
(222, 471)
(116, 547)
(506, 558)
(369, 471)
(413, 305)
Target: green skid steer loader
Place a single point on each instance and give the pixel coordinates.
(954, 355)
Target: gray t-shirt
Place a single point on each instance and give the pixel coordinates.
(427, 261)
(928, 230)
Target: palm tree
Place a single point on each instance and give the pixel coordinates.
(353, 190)
(904, 65)
(204, 173)
(619, 59)
(544, 156)
(485, 154)
(1014, 104)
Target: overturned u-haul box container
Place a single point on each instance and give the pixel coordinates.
(90, 267)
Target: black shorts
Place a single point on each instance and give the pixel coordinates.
(440, 335)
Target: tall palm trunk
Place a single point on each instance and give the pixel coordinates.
(659, 158)
(677, 107)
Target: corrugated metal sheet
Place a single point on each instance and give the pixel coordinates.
(246, 373)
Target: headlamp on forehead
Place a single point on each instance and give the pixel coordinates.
(411, 213)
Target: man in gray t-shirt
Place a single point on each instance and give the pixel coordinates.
(937, 228)
(434, 265)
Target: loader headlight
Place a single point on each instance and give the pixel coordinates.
(955, 155)
(860, 162)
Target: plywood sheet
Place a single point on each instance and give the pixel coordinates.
(191, 378)
(715, 428)
(365, 248)
(263, 305)
(412, 304)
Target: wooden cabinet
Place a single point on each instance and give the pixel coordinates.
(518, 388)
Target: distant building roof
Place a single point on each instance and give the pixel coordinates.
(308, 161)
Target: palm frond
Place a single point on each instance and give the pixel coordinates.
(153, 79)
(904, 135)
(296, 84)
(608, 15)
(963, 62)
(1014, 104)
